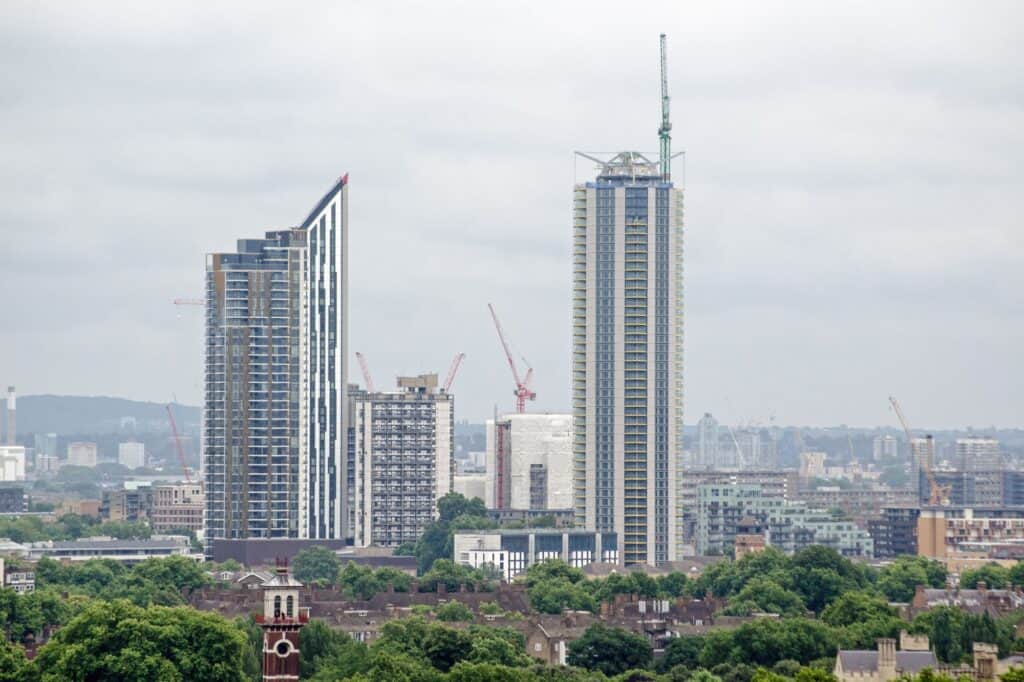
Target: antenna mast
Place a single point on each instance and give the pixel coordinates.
(665, 131)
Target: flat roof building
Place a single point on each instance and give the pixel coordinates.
(401, 459)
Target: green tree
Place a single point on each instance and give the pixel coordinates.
(444, 647)
(683, 651)
(994, 576)
(556, 596)
(14, 667)
(899, 580)
(856, 607)
(118, 640)
(556, 569)
(316, 565)
(610, 650)
(454, 611)
(325, 649)
(764, 594)
(180, 572)
(454, 505)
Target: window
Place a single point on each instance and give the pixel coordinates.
(291, 606)
(277, 607)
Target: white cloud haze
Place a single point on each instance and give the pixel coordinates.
(853, 189)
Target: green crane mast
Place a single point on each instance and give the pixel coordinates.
(665, 131)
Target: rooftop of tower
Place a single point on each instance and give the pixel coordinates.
(629, 167)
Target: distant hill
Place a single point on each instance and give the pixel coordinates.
(69, 414)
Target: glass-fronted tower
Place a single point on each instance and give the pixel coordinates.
(627, 338)
(275, 420)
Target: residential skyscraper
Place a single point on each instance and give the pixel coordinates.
(402, 460)
(627, 336)
(276, 420)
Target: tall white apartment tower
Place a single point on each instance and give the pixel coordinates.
(627, 342)
(275, 421)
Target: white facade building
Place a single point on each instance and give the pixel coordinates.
(401, 460)
(530, 462)
(12, 463)
(82, 454)
(131, 454)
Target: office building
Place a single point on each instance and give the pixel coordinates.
(511, 552)
(177, 507)
(401, 460)
(946, 532)
(529, 462)
(82, 454)
(627, 340)
(12, 463)
(978, 454)
(131, 454)
(885, 447)
(922, 458)
(275, 419)
(707, 442)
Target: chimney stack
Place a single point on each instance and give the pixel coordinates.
(887, 659)
(12, 428)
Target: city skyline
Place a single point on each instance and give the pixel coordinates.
(798, 305)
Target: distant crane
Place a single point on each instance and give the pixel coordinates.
(177, 444)
(522, 392)
(665, 131)
(366, 372)
(937, 494)
(459, 357)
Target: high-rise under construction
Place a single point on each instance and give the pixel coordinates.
(627, 336)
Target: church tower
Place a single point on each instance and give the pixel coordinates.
(281, 621)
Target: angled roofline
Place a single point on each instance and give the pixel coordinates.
(320, 205)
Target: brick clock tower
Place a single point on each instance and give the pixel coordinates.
(281, 621)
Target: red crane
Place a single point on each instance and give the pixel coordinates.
(452, 370)
(522, 392)
(365, 368)
(177, 443)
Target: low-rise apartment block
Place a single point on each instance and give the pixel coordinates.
(511, 552)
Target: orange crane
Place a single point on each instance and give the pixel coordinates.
(522, 392)
(459, 357)
(937, 494)
(177, 444)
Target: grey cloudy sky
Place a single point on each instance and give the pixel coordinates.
(853, 186)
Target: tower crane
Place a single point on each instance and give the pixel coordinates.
(937, 494)
(522, 392)
(177, 444)
(366, 372)
(665, 131)
(459, 357)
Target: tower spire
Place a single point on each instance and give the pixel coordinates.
(665, 131)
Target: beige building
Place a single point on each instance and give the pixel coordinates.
(82, 454)
(945, 532)
(178, 507)
(529, 462)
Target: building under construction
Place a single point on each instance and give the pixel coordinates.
(401, 459)
(627, 349)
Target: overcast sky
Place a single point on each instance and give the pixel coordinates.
(853, 180)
